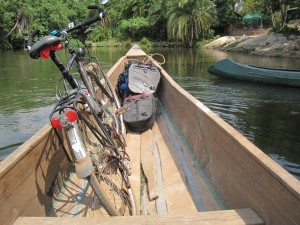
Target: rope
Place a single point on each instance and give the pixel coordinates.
(151, 58)
(148, 58)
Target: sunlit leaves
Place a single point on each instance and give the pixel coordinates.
(189, 19)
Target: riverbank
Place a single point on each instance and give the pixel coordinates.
(273, 45)
(114, 43)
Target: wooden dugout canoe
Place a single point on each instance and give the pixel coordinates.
(231, 69)
(198, 169)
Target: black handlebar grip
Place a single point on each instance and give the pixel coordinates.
(31, 36)
(90, 21)
(95, 6)
(85, 23)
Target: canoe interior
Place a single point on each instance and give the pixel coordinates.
(190, 161)
(164, 177)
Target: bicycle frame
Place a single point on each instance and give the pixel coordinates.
(74, 136)
(91, 124)
(83, 162)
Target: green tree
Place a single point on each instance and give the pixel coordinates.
(272, 8)
(227, 13)
(285, 7)
(189, 18)
(135, 8)
(15, 20)
(23, 19)
(158, 17)
(49, 15)
(135, 28)
(138, 18)
(268, 7)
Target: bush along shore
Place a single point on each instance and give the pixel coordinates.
(272, 44)
(114, 43)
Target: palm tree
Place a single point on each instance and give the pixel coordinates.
(190, 18)
(136, 8)
(158, 18)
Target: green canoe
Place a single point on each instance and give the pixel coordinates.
(231, 69)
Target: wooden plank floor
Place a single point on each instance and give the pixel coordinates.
(175, 188)
(170, 176)
(133, 150)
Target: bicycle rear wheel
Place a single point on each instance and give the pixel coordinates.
(106, 94)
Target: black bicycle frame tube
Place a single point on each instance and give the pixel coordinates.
(65, 73)
(71, 62)
(83, 77)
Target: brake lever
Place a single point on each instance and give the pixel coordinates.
(64, 35)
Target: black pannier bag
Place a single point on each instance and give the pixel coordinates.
(141, 114)
(142, 78)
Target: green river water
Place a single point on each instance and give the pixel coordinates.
(267, 115)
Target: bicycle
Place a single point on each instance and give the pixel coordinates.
(89, 113)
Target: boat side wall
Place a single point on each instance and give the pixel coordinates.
(28, 176)
(243, 174)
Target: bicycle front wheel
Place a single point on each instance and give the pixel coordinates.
(110, 177)
(112, 193)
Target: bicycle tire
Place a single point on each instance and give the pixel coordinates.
(109, 100)
(109, 179)
(115, 200)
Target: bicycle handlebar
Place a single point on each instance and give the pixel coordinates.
(90, 20)
(95, 6)
(31, 36)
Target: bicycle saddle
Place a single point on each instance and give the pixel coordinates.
(41, 44)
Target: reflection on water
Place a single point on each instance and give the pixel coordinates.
(267, 115)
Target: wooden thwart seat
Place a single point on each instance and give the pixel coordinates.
(225, 217)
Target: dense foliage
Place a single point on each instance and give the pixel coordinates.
(278, 10)
(185, 21)
(17, 18)
(189, 19)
